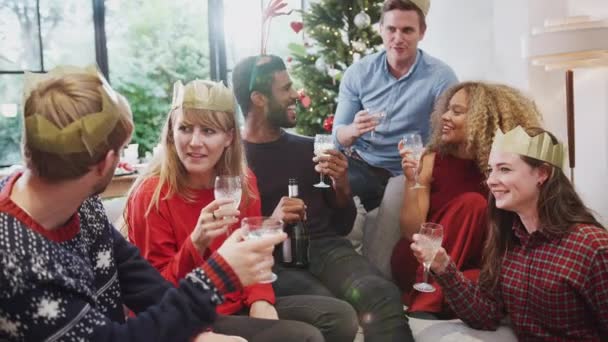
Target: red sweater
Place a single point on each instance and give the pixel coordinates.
(163, 237)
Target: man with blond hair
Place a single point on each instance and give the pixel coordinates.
(65, 272)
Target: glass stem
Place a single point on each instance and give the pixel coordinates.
(322, 178)
(426, 274)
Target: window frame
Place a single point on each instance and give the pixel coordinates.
(217, 49)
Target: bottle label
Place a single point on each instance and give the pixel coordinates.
(286, 248)
(293, 190)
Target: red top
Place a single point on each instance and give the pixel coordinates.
(446, 170)
(554, 288)
(163, 237)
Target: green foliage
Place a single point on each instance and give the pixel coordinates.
(151, 44)
(330, 26)
(10, 140)
(162, 43)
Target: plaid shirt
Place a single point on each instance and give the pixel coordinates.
(555, 288)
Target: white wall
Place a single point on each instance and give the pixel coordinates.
(591, 111)
(482, 40)
(461, 34)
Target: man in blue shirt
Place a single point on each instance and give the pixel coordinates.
(403, 82)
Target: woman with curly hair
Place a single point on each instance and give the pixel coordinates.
(451, 171)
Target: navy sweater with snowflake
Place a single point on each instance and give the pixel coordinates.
(70, 284)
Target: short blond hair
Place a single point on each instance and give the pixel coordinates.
(62, 101)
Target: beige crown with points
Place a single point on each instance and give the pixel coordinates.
(199, 94)
(83, 134)
(540, 147)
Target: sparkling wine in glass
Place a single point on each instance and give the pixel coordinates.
(228, 187)
(431, 236)
(323, 142)
(256, 227)
(413, 142)
(379, 116)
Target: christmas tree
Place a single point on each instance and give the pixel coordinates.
(336, 33)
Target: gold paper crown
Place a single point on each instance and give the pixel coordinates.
(199, 94)
(540, 147)
(82, 135)
(424, 5)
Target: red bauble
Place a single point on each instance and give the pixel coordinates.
(328, 123)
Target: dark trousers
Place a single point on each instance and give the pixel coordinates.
(366, 181)
(336, 269)
(327, 319)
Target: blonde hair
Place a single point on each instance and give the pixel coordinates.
(171, 172)
(490, 106)
(62, 101)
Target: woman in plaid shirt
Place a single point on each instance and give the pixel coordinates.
(546, 258)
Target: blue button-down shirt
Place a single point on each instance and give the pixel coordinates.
(407, 102)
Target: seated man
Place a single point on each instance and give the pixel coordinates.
(386, 95)
(264, 92)
(65, 272)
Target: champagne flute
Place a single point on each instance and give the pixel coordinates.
(413, 142)
(228, 187)
(379, 117)
(323, 142)
(256, 227)
(431, 236)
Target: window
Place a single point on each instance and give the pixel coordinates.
(67, 33)
(151, 44)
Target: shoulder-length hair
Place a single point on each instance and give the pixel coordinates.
(559, 209)
(171, 172)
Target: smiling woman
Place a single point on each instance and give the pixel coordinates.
(463, 124)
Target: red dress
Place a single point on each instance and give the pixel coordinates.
(458, 201)
(163, 237)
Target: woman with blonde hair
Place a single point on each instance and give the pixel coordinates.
(173, 217)
(451, 171)
(66, 272)
(545, 263)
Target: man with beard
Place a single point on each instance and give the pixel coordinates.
(264, 91)
(65, 272)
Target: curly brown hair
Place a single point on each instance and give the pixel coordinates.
(490, 106)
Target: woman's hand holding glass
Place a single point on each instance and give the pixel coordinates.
(427, 249)
(411, 150)
(214, 220)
